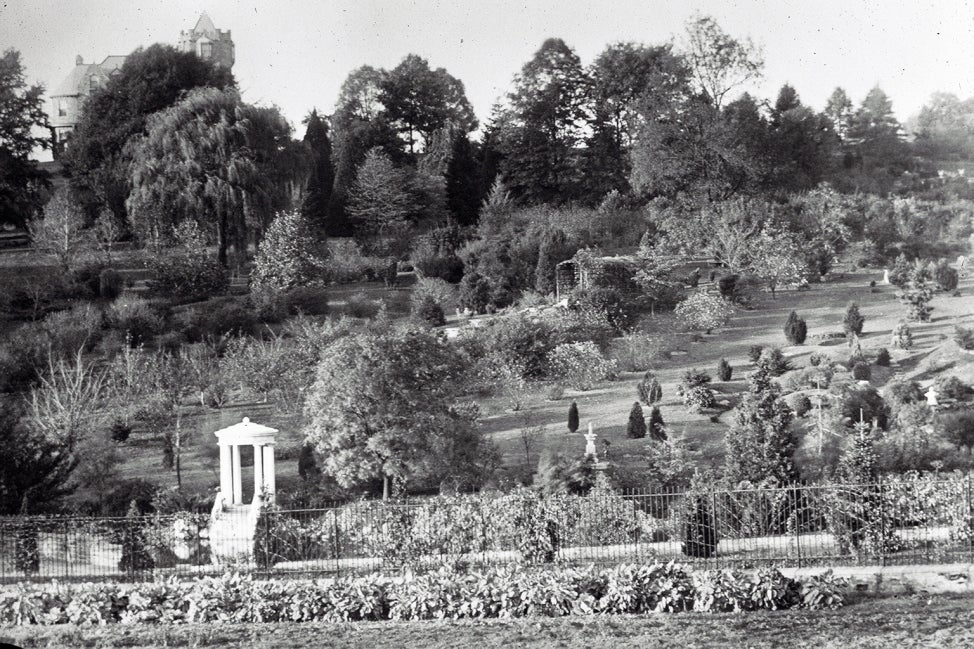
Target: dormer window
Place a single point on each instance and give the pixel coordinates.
(92, 83)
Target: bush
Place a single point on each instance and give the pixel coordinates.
(862, 371)
(656, 426)
(724, 370)
(693, 378)
(951, 387)
(288, 256)
(754, 353)
(864, 401)
(698, 398)
(360, 305)
(796, 330)
(945, 276)
(475, 292)
(77, 328)
(636, 428)
(964, 337)
(186, 275)
(621, 311)
(958, 428)
(773, 361)
(579, 365)
(902, 337)
(816, 359)
(853, 321)
(306, 300)
(882, 357)
(649, 389)
(430, 312)
(110, 284)
(726, 285)
(704, 311)
(800, 404)
(700, 533)
(215, 319)
(120, 430)
(573, 417)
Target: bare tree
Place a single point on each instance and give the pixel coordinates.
(718, 61)
(68, 399)
(59, 232)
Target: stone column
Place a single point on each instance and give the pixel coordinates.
(237, 482)
(269, 479)
(258, 470)
(226, 472)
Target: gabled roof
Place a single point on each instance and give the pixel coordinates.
(204, 25)
(112, 63)
(69, 87)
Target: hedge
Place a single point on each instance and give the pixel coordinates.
(506, 592)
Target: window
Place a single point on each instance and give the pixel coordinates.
(206, 50)
(61, 110)
(92, 83)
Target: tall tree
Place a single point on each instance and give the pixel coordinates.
(801, 144)
(209, 159)
(21, 112)
(321, 180)
(881, 153)
(760, 442)
(944, 128)
(464, 189)
(149, 81)
(418, 101)
(719, 62)
(379, 202)
(384, 406)
(546, 116)
(838, 110)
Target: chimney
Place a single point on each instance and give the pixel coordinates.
(79, 60)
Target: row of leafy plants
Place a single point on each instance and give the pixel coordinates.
(503, 592)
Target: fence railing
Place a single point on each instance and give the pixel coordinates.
(907, 520)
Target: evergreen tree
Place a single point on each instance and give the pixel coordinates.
(699, 532)
(135, 547)
(795, 329)
(657, 427)
(307, 464)
(322, 177)
(724, 370)
(463, 182)
(289, 255)
(379, 202)
(636, 428)
(573, 417)
(649, 389)
(760, 442)
(853, 321)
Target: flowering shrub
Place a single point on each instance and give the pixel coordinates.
(288, 256)
(699, 398)
(704, 311)
(498, 592)
(580, 365)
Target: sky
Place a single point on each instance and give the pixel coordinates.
(296, 53)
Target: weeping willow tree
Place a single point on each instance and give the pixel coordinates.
(217, 161)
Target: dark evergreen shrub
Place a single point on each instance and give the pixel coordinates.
(135, 548)
(727, 284)
(754, 353)
(657, 428)
(120, 430)
(700, 534)
(429, 311)
(800, 404)
(636, 428)
(796, 330)
(724, 370)
(882, 358)
(853, 321)
(110, 284)
(861, 371)
(573, 417)
(307, 464)
(649, 389)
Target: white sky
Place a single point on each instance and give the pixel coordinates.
(296, 53)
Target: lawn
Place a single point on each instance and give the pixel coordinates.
(886, 622)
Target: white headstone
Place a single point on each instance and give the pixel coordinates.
(886, 276)
(590, 442)
(931, 396)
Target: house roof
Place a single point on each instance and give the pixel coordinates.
(204, 25)
(113, 62)
(72, 82)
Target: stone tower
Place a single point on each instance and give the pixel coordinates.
(208, 42)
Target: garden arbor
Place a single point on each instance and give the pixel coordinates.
(230, 440)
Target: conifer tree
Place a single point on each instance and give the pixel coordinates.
(724, 370)
(853, 322)
(636, 429)
(322, 178)
(573, 417)
(760, 442)
(795, 329)
(657, 428)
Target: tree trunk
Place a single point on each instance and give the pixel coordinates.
(385, 486)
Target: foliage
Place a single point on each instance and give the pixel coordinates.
(700, 534)
(958, 428)
(649, 389)
(379, 204)
(428, 310)
(861, 371)
(855, 402)
(580, 365)
(944, 275)
(23, 115)
(724, 370)
(385, 406)
(800, 404)
(699, 398)
(951, 387)
(773, 362)
(796, 330)
(135, 551)
(288, 256)
(656, 426)
(761, 443)
(110, 284)
(475, 292)
(964, 337)
(901, 337)
(917, 293)
(636, 428)
(882, 357)
(214, 160)
(186, 270)
(704, 311)
(321, 180)
(60, 232)
(573, 417)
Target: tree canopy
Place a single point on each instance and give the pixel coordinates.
(21, 112)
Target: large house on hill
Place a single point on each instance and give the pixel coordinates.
(68, 98)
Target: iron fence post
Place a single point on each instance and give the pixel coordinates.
(882, 523)
(334, 528)
(969, 523)
(713, 499)
(798, 524)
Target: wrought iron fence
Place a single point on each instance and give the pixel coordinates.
(904, 520)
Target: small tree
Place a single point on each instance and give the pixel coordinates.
(796, 330)
(861, 371)
(899, 275)
(307, 464)
(649, 389)
(429, 311)
(135, 548)
(882, 357)
(289, 255)
(59, 231)
(945, 276)
(853, 321)
(699, 532)
(579, 364)
(573, 417)
(902, 337)
(704, 311)
(958, 428)
(636, 428)
(106, 232)
(657, 428)
(724, 370)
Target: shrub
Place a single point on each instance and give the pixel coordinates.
(649, 389)
(800, 404)
(964, 337)
(853, 321)
(186, 273)
(693, 279)
(636, 428)
(573, 417)
(951, 387)
(945, 276)
(360, 305)
(693, 378)
(554, 391)
(79, 327)
(430, 312)
(754, 353)
(902, 337)
(704, 311)
(656, 426)
(958, 428)
(796, 330)
(135, 548)
(215, 319)
(724, 370)
(579, 365)
(862, 371)
(621, 311)
(306, 300)
(120, 430)
(289, 255)
(816, 359)
(475, 292)
(864, 401)
(700, 533)
(882, 357)
(110, 284)
(727, 284)
(442, 292)
(699, 398)
(773, 361)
